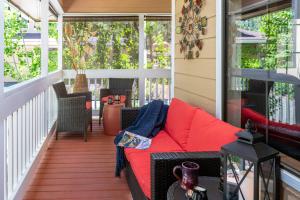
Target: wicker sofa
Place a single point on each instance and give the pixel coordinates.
(190, 134)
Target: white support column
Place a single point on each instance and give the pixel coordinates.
(173, 30)
(141, 59)
(44, 36)
(60, 41)
(1, 48)
(219, 58)
(2, 132)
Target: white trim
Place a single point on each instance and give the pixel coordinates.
(122, 73)
(44, 37)
(173, 30)
(142, 59)
(2, 135)
(290, 179)
(16, 96)
(57, 6)
(113, 14)
(219, 57)
(1, 47)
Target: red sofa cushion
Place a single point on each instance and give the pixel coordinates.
(140, 165)
(140, 159)
(179, 119)
(160, 143)
(209, 134)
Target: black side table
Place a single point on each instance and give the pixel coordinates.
(211, 184)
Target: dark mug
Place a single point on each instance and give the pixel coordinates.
(189, 174)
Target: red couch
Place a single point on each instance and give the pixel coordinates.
(187, 129)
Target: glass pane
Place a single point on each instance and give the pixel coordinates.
(107, 44)
(266, 180)
(263, 63)
(158, 40)
(22, 53)
(237, 168)
(53, 46)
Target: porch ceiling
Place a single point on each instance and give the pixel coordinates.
(116, 6)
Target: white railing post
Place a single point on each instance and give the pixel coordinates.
(173, 30)
(44, 36)
(60, 41)
(141, 59)
(2, 133)
(220, 10)
(45, 56)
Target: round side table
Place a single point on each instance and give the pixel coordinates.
(111, 118)
(211, 184)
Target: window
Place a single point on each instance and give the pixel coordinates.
(22, 53)
(158, 42)
(262, 71)
(101, 43)
(53, 41)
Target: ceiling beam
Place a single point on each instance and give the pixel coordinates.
(116, 6)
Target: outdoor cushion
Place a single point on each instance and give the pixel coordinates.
(140, 165)
(179, 121)
(162, 142)
(209, 134)
(140, 159)
(88, 105)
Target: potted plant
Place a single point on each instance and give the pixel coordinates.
(80, 49)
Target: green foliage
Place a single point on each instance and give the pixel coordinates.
(158, 39)
(53, 53)
(22, 62)
(277, 51)
(115, 44)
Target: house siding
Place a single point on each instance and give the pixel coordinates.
(195, 80)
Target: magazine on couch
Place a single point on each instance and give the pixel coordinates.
(132, 140)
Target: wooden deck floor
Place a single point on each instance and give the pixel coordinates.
(74, 169)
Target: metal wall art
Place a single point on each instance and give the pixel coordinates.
(191, 27)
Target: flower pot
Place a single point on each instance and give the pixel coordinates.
(81, 83)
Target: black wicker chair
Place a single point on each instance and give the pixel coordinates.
(72, 114)
(117, 86)
(162, 165)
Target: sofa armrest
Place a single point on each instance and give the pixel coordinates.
(162, 165)
(128, 116)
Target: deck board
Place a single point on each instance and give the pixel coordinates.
(74, 169)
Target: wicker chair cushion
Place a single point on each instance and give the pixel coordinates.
(122, 98)
(179, 119)
(140, 159)
(209, 134)
(88, 105)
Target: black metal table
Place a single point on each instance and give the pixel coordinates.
(211, 184)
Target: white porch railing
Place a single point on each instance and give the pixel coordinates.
(149, 84)
(28, 111)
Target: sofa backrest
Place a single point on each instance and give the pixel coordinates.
(208, 133)
(179, 120)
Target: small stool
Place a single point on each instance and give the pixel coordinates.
(112, 118)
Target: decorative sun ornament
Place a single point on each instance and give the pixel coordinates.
(192, 25)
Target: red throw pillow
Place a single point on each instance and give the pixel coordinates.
(105, 99)
(179, 121)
